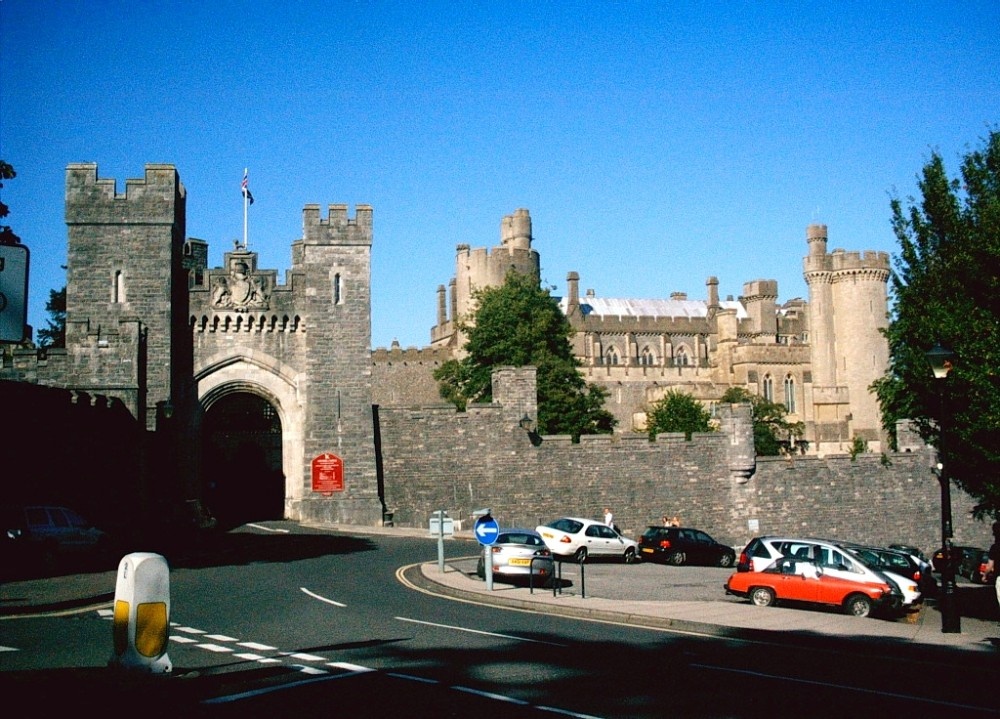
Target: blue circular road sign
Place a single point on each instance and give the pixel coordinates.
(486, 530)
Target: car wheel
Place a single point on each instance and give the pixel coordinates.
(858, 605)
(580, 555)
(762, 596)
(481, 569)
(727, 560)
(630, 556)
(676, 558)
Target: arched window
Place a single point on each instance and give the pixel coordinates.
(790, 394)
(612, 356)
(647, 357)
(119, 288)
(681, 358)
(768, 388)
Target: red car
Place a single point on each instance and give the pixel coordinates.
(796, 580)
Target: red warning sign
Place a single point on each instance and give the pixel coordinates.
(327, 473)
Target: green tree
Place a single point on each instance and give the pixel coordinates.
(54, 335)
(771, 430)
(519, 324)
(7, 236)
(677, 411)
(946, 290)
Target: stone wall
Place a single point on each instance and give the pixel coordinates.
(437, 458)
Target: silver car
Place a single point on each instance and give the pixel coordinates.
(516, 553)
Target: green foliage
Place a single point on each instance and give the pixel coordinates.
(516, 325)
(54, 335)
(7, 236)
(858, 446)
(677, 411)
(771, 431)
(946, 290)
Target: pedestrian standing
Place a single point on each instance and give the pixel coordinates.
(609, 518)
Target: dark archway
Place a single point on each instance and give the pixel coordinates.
(241, 435)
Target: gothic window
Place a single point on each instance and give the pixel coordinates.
(647, 357)
(768, 388)
(337, 289)
(119, 288)
(681, 358)
(790, 394)
(613, 357)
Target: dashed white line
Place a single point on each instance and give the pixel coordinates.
(215, 648)
(257, 647)
(322, 599)
(491, 695)
(356, 668)
(261, 527)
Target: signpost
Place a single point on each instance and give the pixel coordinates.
(487, 530)
(441, 525)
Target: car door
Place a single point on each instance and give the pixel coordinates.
(795, 581)
(702, 548)
(603, 540)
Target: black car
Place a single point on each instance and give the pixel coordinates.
(683, 545)
(897, 562)
(961, 556)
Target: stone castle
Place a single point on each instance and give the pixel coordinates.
(265, 399)
(817, 358)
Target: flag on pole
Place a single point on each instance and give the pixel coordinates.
(246, 188)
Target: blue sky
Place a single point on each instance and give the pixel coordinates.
(654, 143)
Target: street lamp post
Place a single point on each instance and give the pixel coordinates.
(951, 621)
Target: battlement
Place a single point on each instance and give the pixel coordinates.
(157, 198)
(337, 228)
(410, 355)
(841, 260)
(760, 289)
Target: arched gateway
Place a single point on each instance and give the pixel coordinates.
(265, 376)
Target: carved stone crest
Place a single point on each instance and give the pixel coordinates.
(240, 291)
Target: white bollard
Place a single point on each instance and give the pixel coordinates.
(142, 613)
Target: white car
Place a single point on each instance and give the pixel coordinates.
(579, 539)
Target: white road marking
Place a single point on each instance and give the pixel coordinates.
(9, 649)
(356, 668)
(189, 630)
(220, 638)
(183, 640)
(479, 631)
(258, 647)
(306, 657)
(322, 599)
(566, 712)
(491, 695)
(261, 527)
(309, 670)
(214, 648)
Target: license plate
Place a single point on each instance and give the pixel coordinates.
(647, 550)
(517, 562)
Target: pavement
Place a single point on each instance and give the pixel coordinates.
(597, 595)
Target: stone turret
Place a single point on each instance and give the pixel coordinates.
(848, 309)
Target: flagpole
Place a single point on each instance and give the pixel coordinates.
(246, 204)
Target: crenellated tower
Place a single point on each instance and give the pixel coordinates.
(848, 310)
(126, 292)
(334, 259)
(479, 268)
